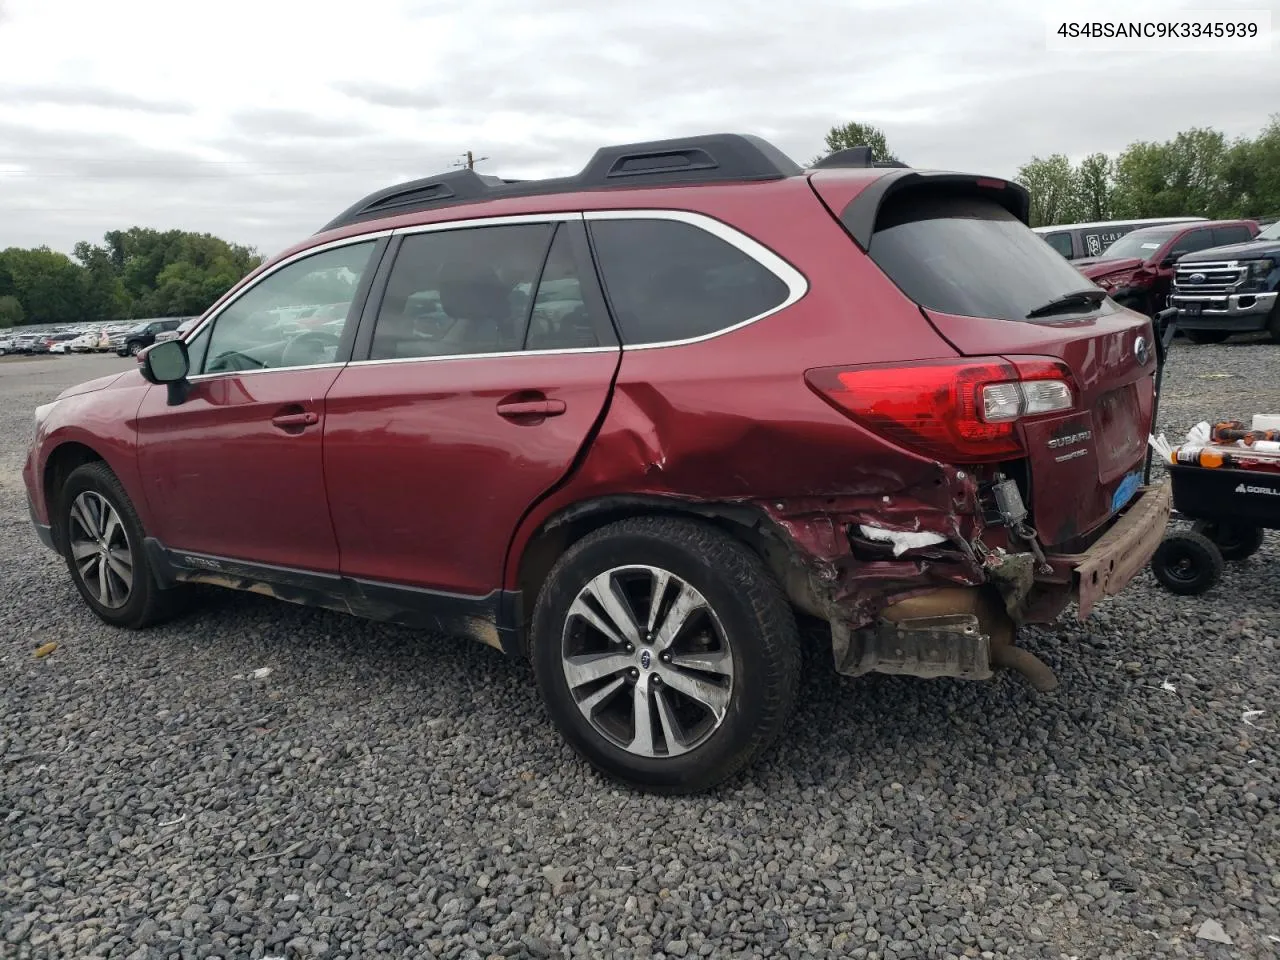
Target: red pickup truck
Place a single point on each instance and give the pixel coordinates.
(1137, 270)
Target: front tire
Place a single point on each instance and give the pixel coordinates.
(1273, 324)
(665, 653)
(102, 542)
(1187, 563)
(135, 349)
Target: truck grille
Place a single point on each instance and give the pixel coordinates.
(1209, 278)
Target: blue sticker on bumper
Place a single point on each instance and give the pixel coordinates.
(1128, 487)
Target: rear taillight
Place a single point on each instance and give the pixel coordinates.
(956, 411)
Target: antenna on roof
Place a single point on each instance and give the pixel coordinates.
(469, 160)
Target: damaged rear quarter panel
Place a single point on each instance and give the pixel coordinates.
(730, 421)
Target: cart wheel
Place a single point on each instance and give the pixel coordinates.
(1234, 541)
(1187, 563)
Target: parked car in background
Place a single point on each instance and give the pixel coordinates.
(87, 342)
(142, 335)
(8, 344)
(627, 424)
(177, 331)
(1137, 270)
(1230, 289)
(58, 342)
(1075, 241)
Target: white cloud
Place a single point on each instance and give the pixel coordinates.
(260, 119)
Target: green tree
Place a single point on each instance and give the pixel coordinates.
(857, 135)
(106, 296)
(1052, 182)
(50, 286)
(1185, 176)
(169, 273)
(10, 311)
(1093, 187)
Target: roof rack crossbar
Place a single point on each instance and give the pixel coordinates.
(715, 158)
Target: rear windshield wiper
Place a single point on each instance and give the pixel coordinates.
(1090, 298)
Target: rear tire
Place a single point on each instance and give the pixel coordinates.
(1234, 541)
(1207, 336)
(713, 677)
(102, 542)
(1187, 563)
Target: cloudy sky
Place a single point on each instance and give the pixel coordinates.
(258, 120)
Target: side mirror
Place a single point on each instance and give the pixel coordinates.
(1171, 259)
(167, 363)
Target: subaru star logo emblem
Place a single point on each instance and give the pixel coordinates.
(1196, 278)
(646, 658)
(1141, 351)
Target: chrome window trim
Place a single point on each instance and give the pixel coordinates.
(504, 355)
(197, 377)
(796, 282)
(500, 221)
(209, 318)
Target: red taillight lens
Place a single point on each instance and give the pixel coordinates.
(956, 411)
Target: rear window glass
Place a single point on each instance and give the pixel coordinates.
(669, 280)
(968, 256)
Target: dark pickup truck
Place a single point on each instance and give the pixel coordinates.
(1231, 289)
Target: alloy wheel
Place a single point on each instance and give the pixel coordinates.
(100, 549)
(647, 661)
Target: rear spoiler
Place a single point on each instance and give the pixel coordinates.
(859, 215)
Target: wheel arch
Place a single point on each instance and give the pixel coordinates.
(62, 461)
(558, 532)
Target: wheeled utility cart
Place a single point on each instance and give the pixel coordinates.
(1227, 482)
(1231, 508)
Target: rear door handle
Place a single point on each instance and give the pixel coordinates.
(307, 419)
(531, 408)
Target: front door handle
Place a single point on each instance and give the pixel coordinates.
(531, 408)
(307, 419)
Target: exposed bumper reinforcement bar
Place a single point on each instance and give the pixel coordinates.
(1120, 554)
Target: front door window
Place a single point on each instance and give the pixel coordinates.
(296, 317)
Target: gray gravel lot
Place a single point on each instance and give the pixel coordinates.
(385, 793)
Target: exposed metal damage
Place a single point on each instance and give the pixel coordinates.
(906, 582)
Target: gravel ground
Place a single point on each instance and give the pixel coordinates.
(386, 794)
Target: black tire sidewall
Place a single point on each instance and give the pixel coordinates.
(97, 477)
(719, 755)
(1245, 540)
(1204, 556)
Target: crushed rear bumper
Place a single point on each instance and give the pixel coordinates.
(1119, 554)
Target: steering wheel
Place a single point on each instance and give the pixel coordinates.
(307, 348)
(233, 360)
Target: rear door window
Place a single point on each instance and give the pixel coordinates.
(968, 256)
(667, 280)
(1225, 235)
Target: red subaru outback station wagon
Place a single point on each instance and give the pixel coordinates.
(632, 424)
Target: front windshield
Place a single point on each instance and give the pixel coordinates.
(1271, 233)
(1140, 243)
(140, 327)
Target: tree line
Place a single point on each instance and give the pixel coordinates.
(137, 272)
(1197, 173)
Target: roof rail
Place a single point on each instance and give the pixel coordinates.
(854, 157)
(715, 158)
